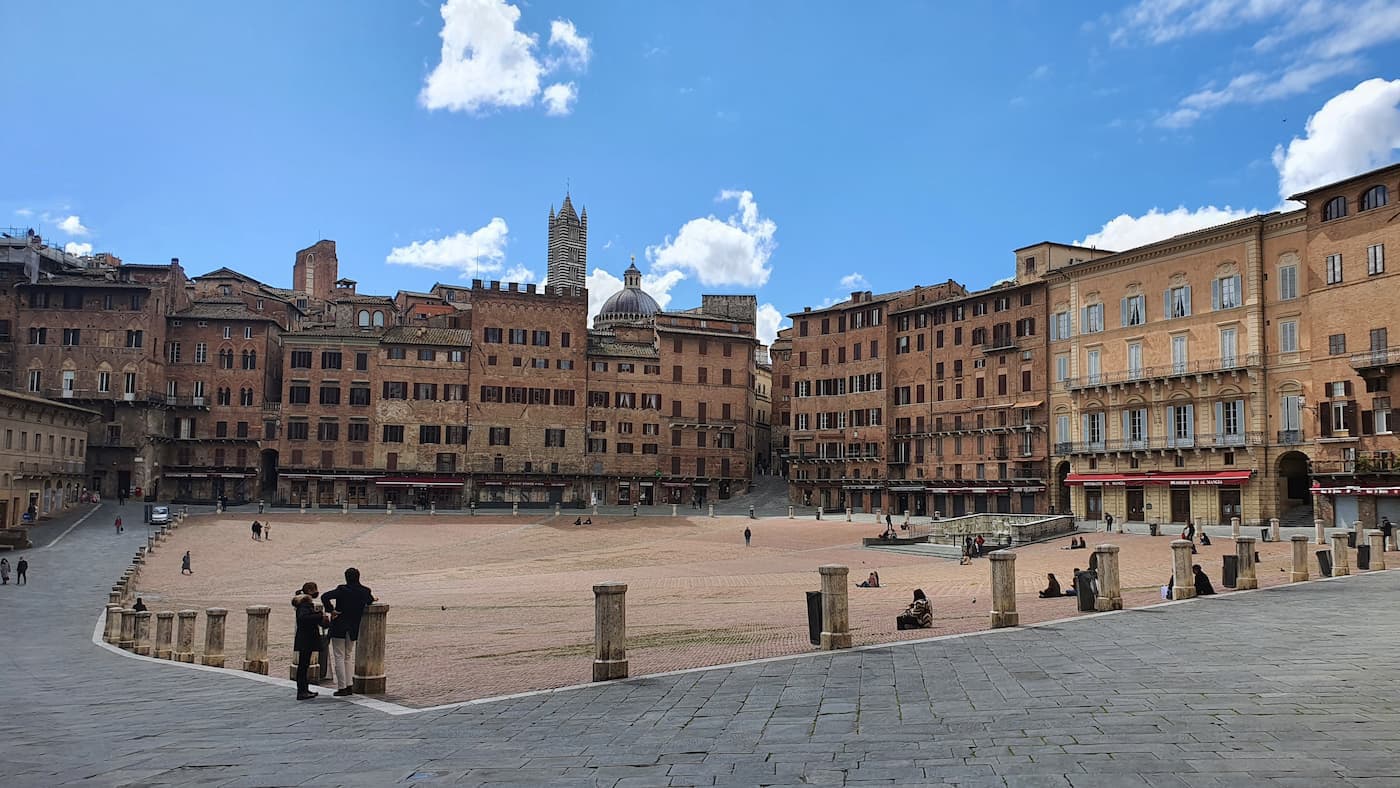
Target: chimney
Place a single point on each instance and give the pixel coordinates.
(174, 261)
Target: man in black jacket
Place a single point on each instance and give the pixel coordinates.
(346, 605)
(308, 636)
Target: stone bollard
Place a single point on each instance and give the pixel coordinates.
(112, 625)
(1234, 528)
(673, 510)
(609, 631)
(389, 507)
(260, 506)
(1273, 530)
(432, 508)
(848, 514)
(303, 506)
(114, 597)
(1377, 540)
(345, 507)
(219, 507)
(141, 634)
(213, 637)
(1004, 589)
(126, 639)
(906, 516)
(1183, 582)
(369, 650)
(1246, 578)
(1300, 559)
(515, 508)
(712, 510)
(790, 511)
(836, 611)
(165, 624)
(150, 544)
(595, 510)
(1110, 590)
(1321, 532)
(556, 510)
(184, 635)
(1340, 566)
(255, 646)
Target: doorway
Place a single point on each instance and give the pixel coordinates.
(1181, 504)
(1135, 507)
(1229, 503)
(1093, 503)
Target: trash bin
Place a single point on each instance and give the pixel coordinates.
(1152, 529)
(147, 511)
(1263, 534)
(1351, 539)
(814, 617)
(1324, 563)
(1085, 587)
(1229, 570)
(1363, 556)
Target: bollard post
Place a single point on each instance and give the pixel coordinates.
(609, 631)
(1234, 528)
(836, 612)
(112, 625)
(114, 597)
(1340, 567)
(712, 510)
(514, 508)
(1377, 540)
(1247, 578)
(255, 648)
(141, 634)
(1273, 530)
(1110, 591)
(303, 506)
(906, 516)
(1004, 589)
(556, 509)
(634, 510)
(673, 510)
(848, 514)
(126, 639)
(213, 637)
(165, 624)
(1321, 532)
(790, 510)
(432, 508)
(389, 507)
(1300, 559)
(370, 678)
(595, 510)
(260, 506)
(345, 507)
(752, 516)
(1183, 583)
(184, 635)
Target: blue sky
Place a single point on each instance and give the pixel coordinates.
(794, 149)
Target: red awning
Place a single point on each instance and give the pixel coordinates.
(1178, 479)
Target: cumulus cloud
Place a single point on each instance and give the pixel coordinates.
(1126, 232)
(730, 251)
(1355, 131)
(72, 225)
(602, 285)
(853, 280)
(482, 251)
(79, 249)
(518, 273)
(487, 62)
(770, 322)
(559, 98)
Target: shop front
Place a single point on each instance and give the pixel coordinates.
(420, 492)
(1350, 503)
(1207, 497)
(527, 494)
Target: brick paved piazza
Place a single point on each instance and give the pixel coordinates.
(484, 606)
(1289, 686)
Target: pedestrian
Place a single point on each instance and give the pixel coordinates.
(257, 531)
(21, 569)
(1387, 528)
(748, 535)
(4, 571)
(1190, 530)
(119, 523)
(1108, 520)
(346, 606)
(267, 532)
(889, 524)
(308, 635)
(139, 607)
(185, 564)
(980, 542)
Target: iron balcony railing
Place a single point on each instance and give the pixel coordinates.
(1290, 437)
(1381, 357)
(1202, 441)
(1182, 369)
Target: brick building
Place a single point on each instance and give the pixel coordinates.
(780, 357)
(41, 456)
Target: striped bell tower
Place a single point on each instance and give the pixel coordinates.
(568, 245)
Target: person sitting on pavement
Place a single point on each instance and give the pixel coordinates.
(140, 606)
(1205, 538)
(873, 581)
(919, 614)
(1203, 586)
(1052, 587)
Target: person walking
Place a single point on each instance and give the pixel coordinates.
(981, 543)
(748, 536)
(267, 532)
(119, 523)
(257, 531)
(307, 640)
(4, 571)
(346, 606)
(1108, 522)
(185, 564)
(1387, 528)
(21, 569)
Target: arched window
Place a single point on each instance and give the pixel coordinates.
(378, 318)
(1375, 197)
(364, 318)
(1335, 208)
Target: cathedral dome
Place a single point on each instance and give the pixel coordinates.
(629, 304)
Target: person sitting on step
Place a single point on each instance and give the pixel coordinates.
(919, 614)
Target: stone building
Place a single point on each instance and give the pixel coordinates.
(780, 357)
(41, 457)
(762, 415)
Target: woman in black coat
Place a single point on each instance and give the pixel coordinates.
(308, 635)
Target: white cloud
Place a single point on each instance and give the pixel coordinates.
(24, 212)
(487, 62)
(770, 322)
(482, 251)
(559, 98)
(1041, 71)
(79, 249)
(602, 285)
(518, 273)
(1256, 87)
(732, 251)
(1127, 232)
(1355, 131)
(564, 35)
(853, 281)
(72, 225)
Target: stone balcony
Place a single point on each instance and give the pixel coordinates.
(1209, 441)
(1233, 365)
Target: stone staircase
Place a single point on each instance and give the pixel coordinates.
(928, 550)
(1300, 516)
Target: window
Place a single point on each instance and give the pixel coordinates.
(1093, 318)
(363, 318)
(1291, 413)
(393, 433)
(201, 353)
(1225, 292)
(1334, 269)
(328, 431)
(432, 433)
(72, 337)
(1374, 197)
(456, 434)
(564, 338)
(129, 382)
(1228, 343)
(330, 395)
(1135, 428)
(250, 359)
(1061, 326)
(247, 332)
(396, 353)
(1179, 354)
(517, 336)
(1178, 302)
(427, 354)
(425, 391)
(492, 335)
(36, 380)
(1229, 422)
(1182, 419)
(1095, 428)
(1287, 282)
(1134, 310)
(299, 394)
(104, 382)
(598, 446)
(1336, 344)
(361, 362)
(1375, 259)
(245, 397)
(1335, 208)
(297, 430)
(624, 448)
(228, 332)
(1135, 360)
(330, 359)
(1288, 336)
(135, 338)
(499, 436)
(396, 389)
(301, 359)
(38, 336)
(1092, 367)
(554, 439)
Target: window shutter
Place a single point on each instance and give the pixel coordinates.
(1188, 300)
(1346, 387)
(1368, 422)
(1324, 419)
(1219, 419)
(1351, 416)
(1142, 313)
(1167, 304)
(1084, 433)
(1215, 294)
(1084, 319)
(1123, 311)
(1190, 421)
(1171, 425)
(1054, 327)
(1239, 288)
